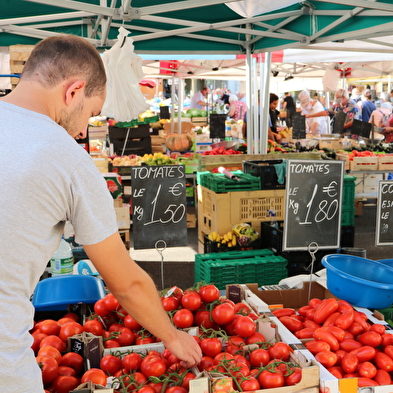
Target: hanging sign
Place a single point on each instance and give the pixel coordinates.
(298, 126)
(313, 204)
(217, 126)
(159, 205)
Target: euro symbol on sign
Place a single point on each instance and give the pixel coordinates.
(176, 189)
(331, 189)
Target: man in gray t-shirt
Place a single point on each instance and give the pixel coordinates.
(46, 179)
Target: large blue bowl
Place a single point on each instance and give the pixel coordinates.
(55, 293)
(360, 281)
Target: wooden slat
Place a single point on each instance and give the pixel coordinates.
(20, 52)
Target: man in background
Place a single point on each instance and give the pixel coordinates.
(290, 107)
(198, 99)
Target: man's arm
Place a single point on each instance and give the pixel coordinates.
(136, 292)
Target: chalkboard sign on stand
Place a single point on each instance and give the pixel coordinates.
(339, 121)
(217, 125)
(384, 230)
(298, 126)
(159, 206)
(164, 112)
(313, 204)
(361, 128)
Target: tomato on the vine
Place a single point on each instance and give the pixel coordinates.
(132, 362)
(64, 384)
(244, 326)
(223, 313)
(73, 360)
(110, 364)
(280, 350)
(170, 303)
(269, 380)
(93, 326)
(131, 323)
(94, 375)
(49, 368)
(191, 300)
(183, 318)
(70, 329)
(211, 346)
(100, 309)
(250, 384)
(209, 293)
(153, 366)
(259, 357)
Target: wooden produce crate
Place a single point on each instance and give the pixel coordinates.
(385, 163)
(233, 162)
(157, 144)
(330, 143)
(18, 56)
(364, 164)
(191, 217)
(345, 158)
(219, 212)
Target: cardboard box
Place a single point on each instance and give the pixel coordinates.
(123, 217)
(90, 387)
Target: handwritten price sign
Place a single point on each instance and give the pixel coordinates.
(384, 232)
(313, 204)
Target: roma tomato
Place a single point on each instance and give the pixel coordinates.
(371, 338)
(64, 384)
(336, 331)
(349, 363)
(327, 358)
(244, 326)
(292, 324)
(383, 361)
(323, 335)
(284, 312)
(209, 293)
(367, 370)
(223, 313)
(387, 339)
(49, 327)
(377, 327)
(345, 320)
(49, 368)
(382, 377)
(94, 375)
(305, 333)
(315, 346)
(183, 318)
(331, 319)
(364, 353)
(362, 382)
(314, 303)
(325, 309)
(269, 380)
(349, 345)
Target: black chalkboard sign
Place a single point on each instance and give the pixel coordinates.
(217, 125)
(159, 205)
(164, 112)
(313, 204)
(339, 121)
(298, 126)
(384, 227)
(361, 128)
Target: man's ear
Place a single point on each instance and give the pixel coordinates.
(74, 91)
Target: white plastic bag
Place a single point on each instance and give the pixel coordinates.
(124, 99)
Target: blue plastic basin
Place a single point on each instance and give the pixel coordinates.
(54, 293)
(360, 281)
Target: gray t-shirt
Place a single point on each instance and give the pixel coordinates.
(46, 178)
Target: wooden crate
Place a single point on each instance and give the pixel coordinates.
(233, 162)
(364, 164)
(191, 217)
(385, 163)
(18, 56)
(345, 158)
(157, 144)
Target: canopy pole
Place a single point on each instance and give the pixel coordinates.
(173, 105)
(180, 103)
(266, 102)
(255, 113)
(249, 96)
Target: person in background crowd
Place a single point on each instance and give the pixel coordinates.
(237, 109)
(290, 107)
(63, 84)
(198, 99)
(274, 115)
(314, 125)
(242, 97)
(388, 131)
(365, 105)
(380, 116)
(355, 95)
(391, 96)
(342, 103)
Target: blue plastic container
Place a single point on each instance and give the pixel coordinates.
(360, 281)
(55, 293)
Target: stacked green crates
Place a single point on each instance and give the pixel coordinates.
(240, 267)
(348, 201)
(218, 182)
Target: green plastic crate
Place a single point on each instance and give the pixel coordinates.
(348, 216)
(240, 267)
(348, 197)
(218, 182)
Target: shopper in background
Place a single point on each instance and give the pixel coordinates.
(198, 99)
(316, 125)
(290, 107)
(380, 116)
(365, 105)
(63, 84)
(237, 108)
(274, 115)
(355, 95)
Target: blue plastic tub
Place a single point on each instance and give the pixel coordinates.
(360, 281)
(56, 293)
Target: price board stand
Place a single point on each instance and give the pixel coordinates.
(384, 225)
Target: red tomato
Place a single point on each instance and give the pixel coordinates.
(63, 321)
(153, 366)
(53, 341)
(64, 384)
(224, 356)
(110, 364)
(383, 361)
(93, 326)
(268, 380)
(387, 339)
(257, 337)
(337, 371)
(70, 329)
(223, 313)
(292, 324)
(340, 354)
(324, 335)
(362, 382)
(308, 323)
(73, 360)
(176, 389)
(259, 357)
(367, 370)
(49, 327)
(250, 384)
(110, 302)
(349, 363)
(50, 351)
(326, 308)
(382, 377)
(314, 303)
(191, 300)
(94, 375)
(284, 312)
(183, 318)
(349, 344)
(100, 309)
(205, 363)
(315, 346)
(303, 310)
(66, 371)
(209, 293)
(244, 326)
(146, 389)
(355, 329)
(170, 303)
(305, 333)
(336, 331)
(131, 323)
(111, 344)
(364, 353)
(72, 316)
(202, 318)
(294, 377)
(49, 368)
(126, 337)
(280, 350)
(211, 346)
(327, 358)
(37, 337)
(343, 306)
(379, 328)
(345, 320)
(371, 338)
(132, 362)
(176, 292)
(331, 319)
(242, 308)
